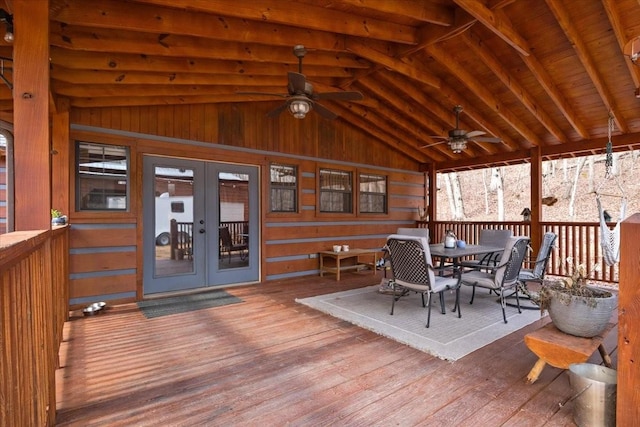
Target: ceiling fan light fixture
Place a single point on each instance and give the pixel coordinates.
(299, 108)
(7, 19)
(457, 146)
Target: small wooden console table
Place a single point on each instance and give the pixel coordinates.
(350, 258)
(560, 350)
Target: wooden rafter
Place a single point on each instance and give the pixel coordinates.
(614, 18)
(511, 82)
(572, 33)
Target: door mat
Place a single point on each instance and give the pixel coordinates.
(184, 303)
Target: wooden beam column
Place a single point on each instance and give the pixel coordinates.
(60, 164)
(628, 398)
(31, 115)
(432, 208)
(536, 197)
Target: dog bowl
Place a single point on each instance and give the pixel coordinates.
(91, 310)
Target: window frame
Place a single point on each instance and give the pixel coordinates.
(385, 195)
(78, 179)
(295, 190)
(352, 196)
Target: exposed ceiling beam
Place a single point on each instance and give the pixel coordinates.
(421, 11)
(614, 18)
(415, 73)
(545, 80)
(115, 61)
(566, 23)
(497, 22)
(106, 41)
(282, 12)
(390, 139)
(482, 92)
(483, 53)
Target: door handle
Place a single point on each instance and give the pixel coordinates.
(201, 231)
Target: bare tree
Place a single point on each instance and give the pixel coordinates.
(590, 184)
(497, 186)
(458, 213)
(574, 187)
(486, 192)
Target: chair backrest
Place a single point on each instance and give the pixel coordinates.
(419, 232)
(410, 260)
(548, 243)
(490, 237)
(225, 236)
(511, 260)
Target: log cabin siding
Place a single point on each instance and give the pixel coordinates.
(109, 267)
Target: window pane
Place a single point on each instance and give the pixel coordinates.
(102, 177)
(373, 193)
(284, 188)
(335, 191)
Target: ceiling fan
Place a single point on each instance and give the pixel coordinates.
(458, 138)
(301, 99)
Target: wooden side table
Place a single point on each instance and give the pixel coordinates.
(345, 260)
(560, 350)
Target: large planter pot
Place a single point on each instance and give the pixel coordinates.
(581, 316)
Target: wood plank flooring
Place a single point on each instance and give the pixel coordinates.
(271, 361)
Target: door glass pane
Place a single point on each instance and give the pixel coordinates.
(173, 221)
(234, 233)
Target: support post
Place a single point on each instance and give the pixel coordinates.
(32, 159)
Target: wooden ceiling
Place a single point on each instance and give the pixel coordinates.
(533, 73)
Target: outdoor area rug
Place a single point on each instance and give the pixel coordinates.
(447, 337)
(183, 303)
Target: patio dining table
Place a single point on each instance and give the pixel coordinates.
(454, 254)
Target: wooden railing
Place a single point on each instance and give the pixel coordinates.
(236, 229)
(580, 241)
(33, 308)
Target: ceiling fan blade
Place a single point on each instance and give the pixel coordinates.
(434, 144)
(486, 139)
(438, 137)
(340, 96)
(297, 83)
(324, 112)
(474, 133)
(278, 110)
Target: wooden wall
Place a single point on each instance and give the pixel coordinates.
(108, 265)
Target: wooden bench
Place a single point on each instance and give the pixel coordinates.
(560, 350)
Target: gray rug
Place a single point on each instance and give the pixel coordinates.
(184, 303)
(448, 337)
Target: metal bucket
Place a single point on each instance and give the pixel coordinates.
(594, 394)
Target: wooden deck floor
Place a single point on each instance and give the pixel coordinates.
(271, 361)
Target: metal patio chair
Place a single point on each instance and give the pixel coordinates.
(413, 270)
(505, 274)
(488, 237)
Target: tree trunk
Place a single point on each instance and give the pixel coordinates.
(497, 186)
(590, 185)
(447, 185)
(486, 192)
(574, 187)
(458, 213)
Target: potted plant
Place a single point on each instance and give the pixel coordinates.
(576, 308)
(57, 218)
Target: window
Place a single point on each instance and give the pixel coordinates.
(335, 191)
(102, 177)
(284, 188)
(373, 193)
(177, 207)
